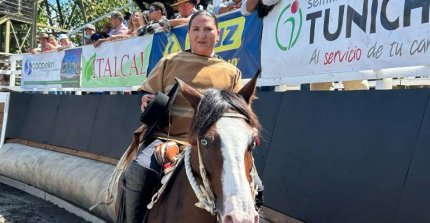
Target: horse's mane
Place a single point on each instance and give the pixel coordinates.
(213, 105)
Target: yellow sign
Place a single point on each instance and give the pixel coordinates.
(173, 45)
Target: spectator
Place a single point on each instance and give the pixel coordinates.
(91, 36)
(135, 23)
(186, 8)
(263, 7)
(157, 14)
(65, 42)
(53, 41)
(44, 44)
(119, 28)
(116, 20)
(227, 6)
(106, 29)
(145, 17)
(126, 20)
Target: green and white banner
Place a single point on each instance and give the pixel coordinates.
(116, 64)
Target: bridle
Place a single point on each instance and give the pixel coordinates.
(204, 193)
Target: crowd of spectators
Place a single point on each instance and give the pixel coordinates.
(149, 21)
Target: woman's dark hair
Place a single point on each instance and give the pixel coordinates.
(203, 12)
(159, 6)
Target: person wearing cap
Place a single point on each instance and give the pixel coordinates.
(90, 35)
(139, 168)
(116, 20)
(65, 42)
(44, 44)
(186, 8)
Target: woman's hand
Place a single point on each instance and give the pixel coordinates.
(145, 101)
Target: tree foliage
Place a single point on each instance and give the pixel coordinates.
(71, 14)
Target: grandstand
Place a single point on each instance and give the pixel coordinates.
(16, 19)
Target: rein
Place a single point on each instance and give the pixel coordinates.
(204, 192)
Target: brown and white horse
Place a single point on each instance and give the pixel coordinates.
(218, 172)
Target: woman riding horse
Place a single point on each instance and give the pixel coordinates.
(216, 182)
(202, 69)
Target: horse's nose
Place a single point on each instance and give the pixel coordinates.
(240, 211)
(239, 218)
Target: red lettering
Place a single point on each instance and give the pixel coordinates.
(115, 74)
(340, 56)
(100, 64)
(142, 56)
(358, 54)
(107, 68)
(134, 66)
(122, 64)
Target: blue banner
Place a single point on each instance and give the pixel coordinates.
(239, 42)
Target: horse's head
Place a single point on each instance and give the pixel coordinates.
(224, 131)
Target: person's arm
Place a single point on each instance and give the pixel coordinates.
(228, 8)
(248, 6)
(100, 41)
(153, 84)
(34, 50)
(120, 36)
(178, 22)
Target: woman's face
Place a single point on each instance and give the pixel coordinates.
(53, 41)
(135, 18)
(203, 35)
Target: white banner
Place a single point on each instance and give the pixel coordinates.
(42, 70)
(312, 37)
(116, 64)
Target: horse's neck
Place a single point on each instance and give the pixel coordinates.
(177, 203)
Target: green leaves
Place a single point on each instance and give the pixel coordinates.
(88, 70)
(72, 12)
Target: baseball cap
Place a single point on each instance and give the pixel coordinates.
(90, 26)
(62, 36)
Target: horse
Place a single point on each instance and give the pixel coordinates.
(215, 182)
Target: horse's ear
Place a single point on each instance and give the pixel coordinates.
(191, 94)
(248, 91)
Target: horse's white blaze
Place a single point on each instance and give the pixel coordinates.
(235, 137)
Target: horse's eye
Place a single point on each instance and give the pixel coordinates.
(255, 143)
(204, 142)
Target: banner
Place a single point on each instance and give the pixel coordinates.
(322, 37)
(51, 70)
(70, 72)
(239, 42)
(116, 64)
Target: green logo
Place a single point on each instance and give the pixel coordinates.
(286, 32)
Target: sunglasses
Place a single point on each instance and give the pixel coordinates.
(152, 9)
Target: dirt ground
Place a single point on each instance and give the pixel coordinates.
(17, 206)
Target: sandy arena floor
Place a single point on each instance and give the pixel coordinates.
(17, 206)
